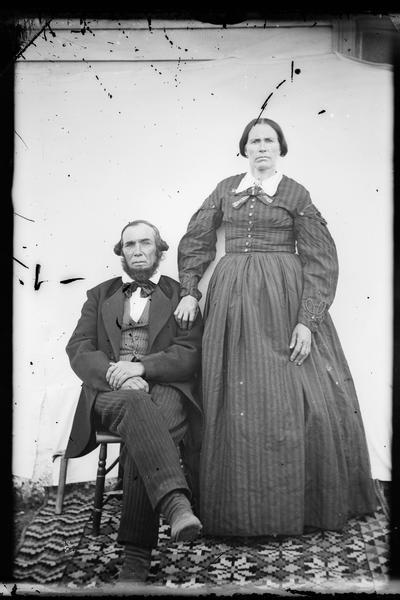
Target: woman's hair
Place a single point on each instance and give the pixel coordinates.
(245, 135)
(161, 245)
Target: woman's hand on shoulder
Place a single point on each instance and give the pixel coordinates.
(300, 343)
(186, 312)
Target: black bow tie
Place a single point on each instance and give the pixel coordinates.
(254, 191)
(147, 288)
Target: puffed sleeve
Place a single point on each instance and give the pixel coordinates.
(197, 247)
(317, 252)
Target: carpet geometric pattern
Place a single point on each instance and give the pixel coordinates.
(61, 549)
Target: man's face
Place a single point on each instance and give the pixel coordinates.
(139, 247)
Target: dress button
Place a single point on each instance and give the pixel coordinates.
(250, 214)
(246, 249)
(247, 243)
(250, 222)
(302, 214)
(249, 235)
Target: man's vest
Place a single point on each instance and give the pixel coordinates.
(134, 335)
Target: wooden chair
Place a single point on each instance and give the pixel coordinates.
(103, 438)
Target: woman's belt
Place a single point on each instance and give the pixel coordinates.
(238, 246)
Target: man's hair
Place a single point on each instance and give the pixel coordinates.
(161, 245)
(264, 121)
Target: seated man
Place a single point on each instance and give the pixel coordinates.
(138, 370)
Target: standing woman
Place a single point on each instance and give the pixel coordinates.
(284, 448)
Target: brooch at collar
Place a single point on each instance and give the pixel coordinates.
(255, 192)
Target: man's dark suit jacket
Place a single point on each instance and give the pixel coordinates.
(173, 358)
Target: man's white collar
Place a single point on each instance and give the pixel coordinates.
(155, 278)
(269, 185)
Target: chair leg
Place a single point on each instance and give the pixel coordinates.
(61, 485)
(120, 475)
(99, 490)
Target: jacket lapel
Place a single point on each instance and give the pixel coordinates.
(160, 311)
(112, 311)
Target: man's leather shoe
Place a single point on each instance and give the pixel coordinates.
(136, 571)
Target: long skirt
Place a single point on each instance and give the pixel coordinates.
(284, 446)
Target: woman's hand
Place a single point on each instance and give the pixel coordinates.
(121, 371)
(186, 312)
(301, 343)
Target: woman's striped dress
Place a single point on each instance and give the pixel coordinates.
(284, 446)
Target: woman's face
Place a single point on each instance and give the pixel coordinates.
(262, 148)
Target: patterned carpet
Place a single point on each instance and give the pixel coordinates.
(60, 549)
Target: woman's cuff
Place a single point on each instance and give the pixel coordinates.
(191, 292)
(312, 313)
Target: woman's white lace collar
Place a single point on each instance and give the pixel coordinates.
(269, 185)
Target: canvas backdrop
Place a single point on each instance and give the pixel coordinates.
(146, 132)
